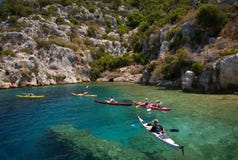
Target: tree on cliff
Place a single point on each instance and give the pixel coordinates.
(211, 18)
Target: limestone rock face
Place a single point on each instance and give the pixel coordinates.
(57, 65)
(221, 77)
(42, 50)
(145, 78)
(228, 75)
(188, 80)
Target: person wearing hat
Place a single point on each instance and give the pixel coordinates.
(157, 104)
(157, 127)
(146, 102)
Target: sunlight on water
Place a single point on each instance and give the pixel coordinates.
(50, 128)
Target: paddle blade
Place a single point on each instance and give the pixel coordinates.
(137, 106)
(174, 130)
(148, 110)
(182, 148)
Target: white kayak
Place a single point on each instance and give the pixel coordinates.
(160, 136)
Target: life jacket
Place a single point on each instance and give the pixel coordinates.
(157, 128)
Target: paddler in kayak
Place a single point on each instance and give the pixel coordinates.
(30, 94)
(85, 92)
(157, 127)
(146, 102)
(157, 104)
(111, 99)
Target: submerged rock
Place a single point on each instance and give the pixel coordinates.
(85, 146)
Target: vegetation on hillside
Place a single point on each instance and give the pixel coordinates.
(211, 18)
(147, 16)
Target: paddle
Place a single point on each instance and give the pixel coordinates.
(174, 130)
(182, 148)
(137, 106)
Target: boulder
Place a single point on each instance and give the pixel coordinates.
(188, 80)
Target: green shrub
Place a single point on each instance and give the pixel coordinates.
(178, 39)
(172, 64)
(91, 32)
(13, 19)
(26, 75)
(134, 19)
(136, 41)
(139, 58)
(59, 78)
(41, 43)
(227, 52)
(143, 26)
(48, 75)
(51, 11)
(74, 21)
(27, 50)
(87, 42)
(108, 23)
(106, 61)
(34, 70)
(210, 17)
(197, 68)
(19, 8)
(7, 53)
(60, 21)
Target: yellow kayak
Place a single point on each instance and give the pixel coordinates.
(82, 94)
(30, 96)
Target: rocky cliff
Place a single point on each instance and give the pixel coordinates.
(43, 51)
(218, 56)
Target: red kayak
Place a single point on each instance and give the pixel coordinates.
(114, 102)
(152, 106)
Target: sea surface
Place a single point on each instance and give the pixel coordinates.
(207, 124)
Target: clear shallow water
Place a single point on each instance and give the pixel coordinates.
(207, 123)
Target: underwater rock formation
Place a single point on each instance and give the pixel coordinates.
(86, 146)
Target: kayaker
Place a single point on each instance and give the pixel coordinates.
(85, 92)
(111, 99)
(146, 102)
(30, 94)
(157, 104)
(157, 127)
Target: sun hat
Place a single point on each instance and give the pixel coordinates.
(156, 121)
(157, 101)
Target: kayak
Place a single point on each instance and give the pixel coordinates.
(160, 136)
(152, 106)
(114, 102)
(82, 94)
(30, 96)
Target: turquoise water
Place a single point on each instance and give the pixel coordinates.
(207, 123)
